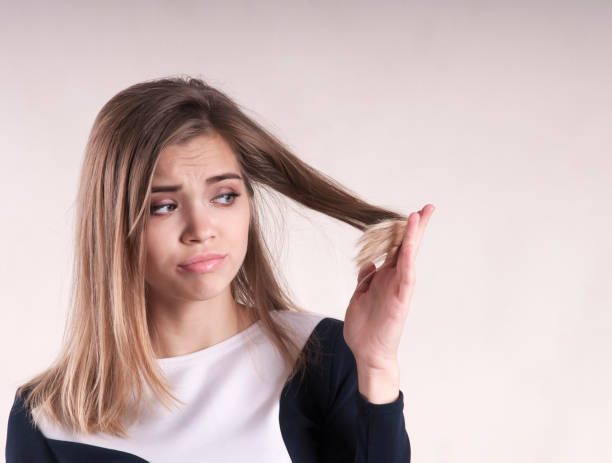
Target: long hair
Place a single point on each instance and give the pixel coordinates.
(107, 360)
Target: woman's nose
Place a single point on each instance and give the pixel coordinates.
(199, 223)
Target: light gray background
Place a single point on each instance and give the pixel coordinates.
(498, 113)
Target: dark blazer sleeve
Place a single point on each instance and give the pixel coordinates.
(24, 441)
(362, 431)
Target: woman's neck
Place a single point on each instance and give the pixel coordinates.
(189, 326)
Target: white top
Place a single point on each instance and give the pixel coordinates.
(231, 392)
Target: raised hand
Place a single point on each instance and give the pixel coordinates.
(376, 313)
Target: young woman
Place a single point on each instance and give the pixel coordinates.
(182, 346)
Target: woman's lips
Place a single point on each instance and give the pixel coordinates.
(201, 257)
(203, 266)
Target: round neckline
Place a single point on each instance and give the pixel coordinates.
(217, 348)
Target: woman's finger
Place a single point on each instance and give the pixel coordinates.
(405, 260)
(365, 269)
(390, 260)
(424, 214)
(365, 276)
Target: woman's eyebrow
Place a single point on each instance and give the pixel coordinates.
(209, 181)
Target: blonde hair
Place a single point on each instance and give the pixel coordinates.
(107, 358)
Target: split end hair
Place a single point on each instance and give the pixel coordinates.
(380, 239)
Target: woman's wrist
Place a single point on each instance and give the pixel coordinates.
(379, 386)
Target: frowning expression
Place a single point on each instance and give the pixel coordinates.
(199, 205)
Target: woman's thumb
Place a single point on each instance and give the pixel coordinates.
(366, 272)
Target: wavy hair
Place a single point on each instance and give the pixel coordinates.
(107, 361)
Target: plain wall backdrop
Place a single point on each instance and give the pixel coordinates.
(497, 112)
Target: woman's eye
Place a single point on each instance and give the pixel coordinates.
(157, 208)
(231, 197)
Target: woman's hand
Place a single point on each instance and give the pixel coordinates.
(377, 311)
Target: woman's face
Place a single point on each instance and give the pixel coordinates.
(193, 213)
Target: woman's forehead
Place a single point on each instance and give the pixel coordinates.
(204, 154)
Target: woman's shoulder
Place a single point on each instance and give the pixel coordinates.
(19, 410)
(325, 331)
(298, 316)
(305, 324)
(24, 441)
